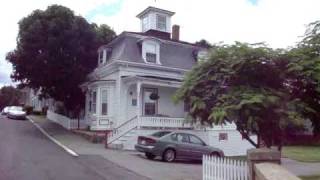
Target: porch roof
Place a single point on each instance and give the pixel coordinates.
(152, 80)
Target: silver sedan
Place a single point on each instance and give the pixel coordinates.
(175, 145)
(16, 112)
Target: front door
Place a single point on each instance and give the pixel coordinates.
(150, 106)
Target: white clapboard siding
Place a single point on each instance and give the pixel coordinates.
(215, 168)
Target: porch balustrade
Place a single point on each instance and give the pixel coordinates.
(152, 121)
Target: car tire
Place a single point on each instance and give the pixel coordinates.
(169, 155)
(150, 156)
(215, 154)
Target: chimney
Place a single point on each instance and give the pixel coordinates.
(175, 32)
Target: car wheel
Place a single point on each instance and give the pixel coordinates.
(215, 154)
(150, 156)
(169, 155)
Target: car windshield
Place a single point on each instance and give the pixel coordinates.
(16, 108)
(160, 133)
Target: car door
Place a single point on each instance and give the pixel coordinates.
(182, 144)
(197, 147)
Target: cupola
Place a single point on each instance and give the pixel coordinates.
(156, 19)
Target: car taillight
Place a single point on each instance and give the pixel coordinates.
(145, 140)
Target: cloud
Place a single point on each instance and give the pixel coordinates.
(276, 22)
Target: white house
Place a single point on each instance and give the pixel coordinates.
(130, 92)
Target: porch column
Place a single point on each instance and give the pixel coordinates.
(139, 103)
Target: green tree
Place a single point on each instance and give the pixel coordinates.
(248, 85)
(305, 63)
(55, 51)
(9, 96)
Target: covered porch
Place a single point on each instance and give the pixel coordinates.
(149, 99)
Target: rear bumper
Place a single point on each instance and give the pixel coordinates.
(142, 148)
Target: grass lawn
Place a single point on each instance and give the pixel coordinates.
(302, 153)
(310, 177)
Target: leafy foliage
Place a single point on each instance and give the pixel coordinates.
(305, 64)
(9, 96)
(55, 51)
(248, 85)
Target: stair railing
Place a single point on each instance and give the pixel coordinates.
(122, 129)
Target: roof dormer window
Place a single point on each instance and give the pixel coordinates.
(101, 57)
(161, 22)
(202, 56)
(151, 51)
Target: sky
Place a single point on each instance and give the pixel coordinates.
(279, 23)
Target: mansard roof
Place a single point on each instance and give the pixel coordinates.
(176, 54)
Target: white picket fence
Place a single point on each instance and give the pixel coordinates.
(65, 121)
(215, 168)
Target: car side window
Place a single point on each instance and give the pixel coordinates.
(195, 140)
(184, 138)
(174, 137)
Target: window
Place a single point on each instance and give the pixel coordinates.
(202, 56)
(151, 57)
(104, 102)
(94, 101)
(145, 23)
(161, 22)
(223, 136)
(184, 138)
(100, 57)
(150, 106)
(151, 53)
(195, 140)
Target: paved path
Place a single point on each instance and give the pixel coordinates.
(26, 154)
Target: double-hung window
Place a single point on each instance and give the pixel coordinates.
(151, 53)
(104, 102)
(94, 102)
(161, 22)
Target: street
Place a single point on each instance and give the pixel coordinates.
(26, 154)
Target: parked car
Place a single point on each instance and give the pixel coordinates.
(5, 110)
(171, 145)
(16, 112)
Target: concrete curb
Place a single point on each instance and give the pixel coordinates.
(68, 150)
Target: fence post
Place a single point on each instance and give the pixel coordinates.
(261, 155)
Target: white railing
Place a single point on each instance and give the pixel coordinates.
(214, 168)
(65, 121)
(152, 121)
(122, 129)
(146, 121)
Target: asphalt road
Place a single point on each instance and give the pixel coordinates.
(26, 154)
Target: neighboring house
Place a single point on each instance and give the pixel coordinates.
(30, 97)
(130, 92)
